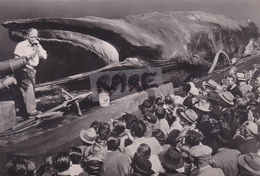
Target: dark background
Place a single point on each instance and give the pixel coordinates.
(15, 9)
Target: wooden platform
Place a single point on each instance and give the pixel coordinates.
(53, 136)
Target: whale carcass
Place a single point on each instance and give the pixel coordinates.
(182, 43)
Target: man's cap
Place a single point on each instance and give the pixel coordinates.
(200, 151)
(149, 117)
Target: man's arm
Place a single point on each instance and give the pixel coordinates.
(40, 51)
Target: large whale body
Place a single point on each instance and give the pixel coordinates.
(180, 41)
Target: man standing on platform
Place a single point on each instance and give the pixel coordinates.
(33, 51)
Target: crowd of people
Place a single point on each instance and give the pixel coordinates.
(208, 130)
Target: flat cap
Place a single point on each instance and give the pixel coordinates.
(200, 151)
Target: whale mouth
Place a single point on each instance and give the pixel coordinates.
(175, 41)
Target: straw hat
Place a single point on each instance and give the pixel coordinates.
(171, 158)
(189, 115)
(88, 136)
(203, 105)
(227, 97)
(251, 126)
(241, 76)
(193, 89)
(250, 162)
(210, 84)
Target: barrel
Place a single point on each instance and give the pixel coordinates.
(7, 115)
(7, 67)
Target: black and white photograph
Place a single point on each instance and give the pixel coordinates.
(130, 88)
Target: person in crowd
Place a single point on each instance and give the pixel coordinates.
(162, 124)
(102, 135)
(241, 111)
(202, 109)
(92, 165)
(116, 162)
(186, 140)
(243, 86)
(151, 122)
(129, 118)
(95, 149)
(20, 167)
(249, 164)
(214, 99)
(103, 131)
(161, 138)
(33, 51)
(184, 93)
(147, 106)
(141, 166)
(46, 170)
(211, 85)
(62, 163)
(203, 160)
(227, 108)
(145, 151)
(171, 138)
(245, 139)
(226, 158)
(233, 88)
(171, 160)
(137, 131)
(119, 130)
(88, 138)
(75, 155)
(188, 118)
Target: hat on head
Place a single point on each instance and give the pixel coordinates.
(142, 165)
(212, 95)
(241, 76)
(146, 104)
(171, 158)
(94, 149)
(149, 117)
(225, 136)
(251, 126)
(210, 84)
(189, 115)
(203, 105)
(200, 151)
(171, 138)
(88, 136)
(250, 162)
(159, 101)
(227, 97)
(193, 89)
(177, 100)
